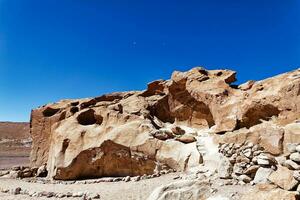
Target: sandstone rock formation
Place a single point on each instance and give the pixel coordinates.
(136, 133)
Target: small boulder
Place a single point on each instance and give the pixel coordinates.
(291, 165)
(42, 171)
(15, 191)
(177, 130)
(269, 192)
(244, 178)
(296, 175)
(251, 170)
(291, 147)
(162, 134)
(262, 175)
(225, 168)
(283, 177)
(186, 139)
(295, 157)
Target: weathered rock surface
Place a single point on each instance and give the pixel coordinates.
(129, 133)
(269, 192)
(283, 177)
(186, 189)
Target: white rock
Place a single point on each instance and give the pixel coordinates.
(295, 157)
(262, 175)
(247, 153)
(245, 178)
(78, 194)
(15, 191)
(298, 148)
(127, 178)
(291, 165)
(291, 147)
(296, 175)
(262, 161)
(225, 168)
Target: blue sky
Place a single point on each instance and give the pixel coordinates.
(56, 49)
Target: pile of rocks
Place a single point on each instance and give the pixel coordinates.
(24, 172)
(100, 180)
(288, 174)
(20, 191)
(245, 163)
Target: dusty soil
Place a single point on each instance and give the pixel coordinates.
(7, 162)
(115, 190)
(109, 190)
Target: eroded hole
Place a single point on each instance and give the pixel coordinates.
(89, 117)
(74, 109)
(48, 112)
(256, 114)
(65, 145)
(75, 103)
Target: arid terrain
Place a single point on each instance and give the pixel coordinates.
(15, 144)
(196, 136)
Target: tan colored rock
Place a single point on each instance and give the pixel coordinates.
(283, 177)
(270, 137)
(188, 190)
(291, 135)
(69, 132)
(186, 139)
(269, 192)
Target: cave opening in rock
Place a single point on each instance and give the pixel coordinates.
(255, 114)
(48, 112)
(89, 117)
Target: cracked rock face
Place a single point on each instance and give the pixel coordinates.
(133, 133)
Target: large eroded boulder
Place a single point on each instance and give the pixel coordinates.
(132, 133)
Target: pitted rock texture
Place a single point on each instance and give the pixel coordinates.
(134, 133)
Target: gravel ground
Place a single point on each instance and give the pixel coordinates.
(108, 190)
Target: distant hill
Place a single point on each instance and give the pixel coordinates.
(14, 130)
(15, 144)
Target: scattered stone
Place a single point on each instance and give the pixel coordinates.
(262, 175)
(177, 130)
(296, 175)
(244, 178)
(186, 139)
(238, 169)
(78, 194)
(291, 165)
(283, 177)
(225, 168)
(127, 178)
(295, 157)
(247, 153)
(42, 171)
(291, 147)
(15, 191)
(251, 170)
(269, 192)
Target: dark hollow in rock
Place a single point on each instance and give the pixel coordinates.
(75, 103)
(256, 113)
(87, 104)
(89, 117)
(48, 112)
(74, 109)
(65, 144)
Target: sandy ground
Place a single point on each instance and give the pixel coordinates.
(115, 190)
(7, 162)
(108, 191)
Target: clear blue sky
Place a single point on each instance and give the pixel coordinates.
(56, 49)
